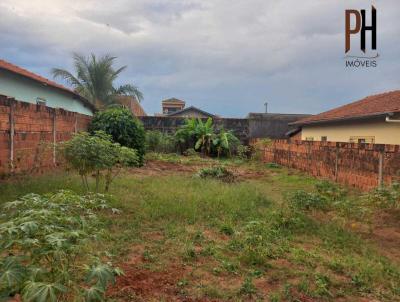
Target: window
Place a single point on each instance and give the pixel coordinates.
(362, 139)
(324, 138)
(41, 101)
(310, 138)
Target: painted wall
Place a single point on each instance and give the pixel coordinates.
(27, 90)
(383, 132)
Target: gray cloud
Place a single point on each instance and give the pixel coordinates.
(224, 56)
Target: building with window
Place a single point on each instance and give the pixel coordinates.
(374, 119)
(26, 86)
(176, 108)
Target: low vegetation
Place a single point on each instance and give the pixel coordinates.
(45, 240)
(274, 235)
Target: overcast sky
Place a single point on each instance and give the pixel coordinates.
(226, 57)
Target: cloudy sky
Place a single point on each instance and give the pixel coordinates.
(225, 56)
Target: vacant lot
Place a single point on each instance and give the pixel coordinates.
(182, 238)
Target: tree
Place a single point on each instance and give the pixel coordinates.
(95, 78)
(124, 128)
(224, 142)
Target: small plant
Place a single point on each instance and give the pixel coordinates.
(243, 152)
(123, 127)
(386, 197)
(330, 191)
(190, 152)
(48, 236)
(307, 201)
(273, 166)
(218, 172)
(97, 154)
(248, 287)
(258, 148)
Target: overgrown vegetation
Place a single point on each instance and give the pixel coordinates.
(123, 127)
(97, 154)
(45, 247)
(203, 137)
(278, 235)
(217, 172)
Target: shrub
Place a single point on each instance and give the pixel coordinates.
(273, 165)
(219, 172)
(97, 153)
(190, 152)
(157, 141)
(330, 190)
(124, 128)
(307, 201)
(386, 197)
(48, 236)
(243, 152)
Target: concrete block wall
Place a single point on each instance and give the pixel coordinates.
(364, 166)
(29, 132)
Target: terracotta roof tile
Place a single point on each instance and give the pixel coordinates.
(23, 72)
(373, 105)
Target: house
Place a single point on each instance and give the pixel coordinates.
(132, 104)
(374, 119)
(172, 105)
(29, 87)
(176, 108)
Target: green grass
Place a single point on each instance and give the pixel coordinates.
(243, 236)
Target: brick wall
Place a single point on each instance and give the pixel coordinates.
(360, 165)
(28, 133)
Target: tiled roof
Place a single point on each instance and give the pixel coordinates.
(373, 105)
(173, 100)
(25, 73)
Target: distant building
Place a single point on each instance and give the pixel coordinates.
(132, 104)
(175, 107)
(172, 105)
(26, 86)
(374, 119)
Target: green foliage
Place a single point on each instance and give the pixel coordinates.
(307, 201)
(95, 79)
(96, 153)
(48, 235)
(218, 172)
(387, 197)
(243, 152)
(330, 191)
(123, 127)
(200, 135)
(273, 166)
(157, 141)
(248, 287)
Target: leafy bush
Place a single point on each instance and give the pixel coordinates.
(96, 153)
(386, 197)
(218, 172)
(330, 191)
(48, 236)
(273, 165)
(124, 128)
(190, 152)
(243, 152)
(200, 135)
(307, 201)
(157, 141)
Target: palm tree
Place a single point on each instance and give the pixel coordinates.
(95, 78)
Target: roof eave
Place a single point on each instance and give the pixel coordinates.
(354, 118)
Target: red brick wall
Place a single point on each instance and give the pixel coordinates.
(35, 128)
(355, 165)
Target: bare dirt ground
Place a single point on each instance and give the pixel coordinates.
(143, 284)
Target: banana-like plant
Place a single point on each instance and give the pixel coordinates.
(204, 133)
(44, 236)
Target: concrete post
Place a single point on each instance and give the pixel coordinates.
(380, 169)
(336, 163)
(54, 135)
(12, 132)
